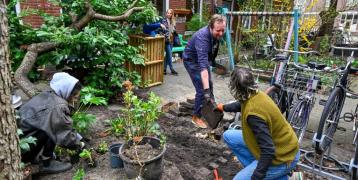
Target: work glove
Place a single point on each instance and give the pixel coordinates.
(219, 107)
(207, 96)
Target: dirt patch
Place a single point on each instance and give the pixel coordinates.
(188, 155)
(193, 155)
(141, 152)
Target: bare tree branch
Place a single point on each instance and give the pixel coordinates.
(27, 63)
(85, 19)
(133, 4)
(34, 50)
(117, 18)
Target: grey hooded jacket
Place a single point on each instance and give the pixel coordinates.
(49, 112)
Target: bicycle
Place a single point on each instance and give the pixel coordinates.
(305, 80)
(333, 106)
(353, 165)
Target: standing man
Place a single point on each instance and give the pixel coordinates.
(199, 55)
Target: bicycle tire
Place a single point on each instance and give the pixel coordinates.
(277, 97)
(354, 171)
(298, 119)
(331, 111)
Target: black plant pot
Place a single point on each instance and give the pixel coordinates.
(152, 169)
(115, 160)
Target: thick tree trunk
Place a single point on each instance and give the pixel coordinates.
(328, 19)
(9, 149)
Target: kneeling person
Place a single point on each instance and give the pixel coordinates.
(47, 118)
(267, 145)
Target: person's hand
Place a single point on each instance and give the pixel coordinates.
(163, 26)
(207, 96)
(220, 107)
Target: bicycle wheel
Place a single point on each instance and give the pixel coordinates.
(298, 118)
(354, 172)
(329, 120)
(278, 97)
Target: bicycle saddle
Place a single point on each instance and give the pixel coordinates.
(315, 65)
(280, 57)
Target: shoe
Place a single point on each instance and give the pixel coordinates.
(51, 166)
(174, 73)
(198, 122)
(165, 72)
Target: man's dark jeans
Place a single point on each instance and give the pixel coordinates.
(195, 76)
(43, 141)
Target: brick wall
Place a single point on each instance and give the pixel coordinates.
(42, 5)
(179, 4)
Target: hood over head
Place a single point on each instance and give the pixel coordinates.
(63, 83)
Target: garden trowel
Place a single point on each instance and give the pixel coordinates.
(212, 116)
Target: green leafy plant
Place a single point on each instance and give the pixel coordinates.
(102, 147)
(140, 116)
(87, 155)
(195, 24)
(101, 47)
(117, 126)
(82, 121)
(89, 96)
(324, 44)
(64, 152)
(79, 174)
(25, 141)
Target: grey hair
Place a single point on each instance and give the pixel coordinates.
(242, 84)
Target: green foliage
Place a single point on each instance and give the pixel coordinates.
(117, 126)
(355, 63)
(25, 141)
(102, 147)
(82, 121)
(79, 174)
(92, 96)
(195, 24)
(64, 151)
(140, 116)
(87, 155)
(89, 96)
(253, 38)
(324, 44)
(101, 47)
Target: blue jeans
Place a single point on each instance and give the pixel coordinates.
(168, 57)
(235, 141)
(194, 73)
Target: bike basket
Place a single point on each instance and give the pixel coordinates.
(295, 79)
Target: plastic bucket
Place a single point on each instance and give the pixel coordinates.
(116, 161)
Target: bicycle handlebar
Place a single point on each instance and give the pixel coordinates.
(299, 52)
(345, 48)
(300, 66)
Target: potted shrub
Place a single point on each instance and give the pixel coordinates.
(142, 152)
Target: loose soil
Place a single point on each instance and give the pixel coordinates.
(191, 154)
(190, 150)
(141, 152)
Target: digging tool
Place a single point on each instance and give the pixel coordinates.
(216, 175)
(212, 116)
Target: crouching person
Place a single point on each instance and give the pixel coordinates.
(47, 118)
(267, 146)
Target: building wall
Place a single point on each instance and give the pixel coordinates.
(181, 18)
(42, 5)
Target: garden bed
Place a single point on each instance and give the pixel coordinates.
(188, 152)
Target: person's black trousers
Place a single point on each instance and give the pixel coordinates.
(43, 141)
